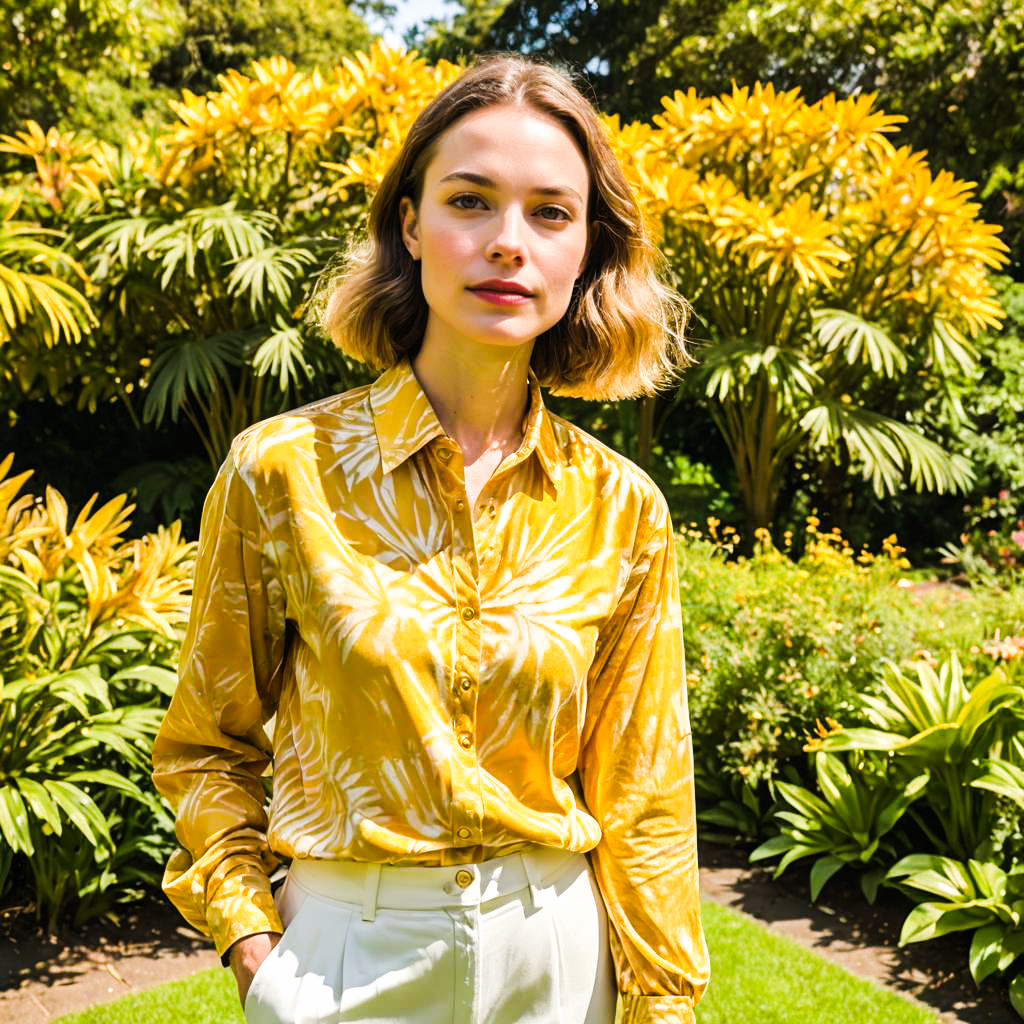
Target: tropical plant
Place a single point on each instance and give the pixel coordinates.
(42, 304)
(89, 635)
(730, 809)
(974, 896)
(203, 245)
(57, 734)
(967, 738)
(850, 824)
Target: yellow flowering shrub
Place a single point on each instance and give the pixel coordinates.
(821, 259)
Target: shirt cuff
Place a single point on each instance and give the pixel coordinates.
(656, 1009)
(243, 906)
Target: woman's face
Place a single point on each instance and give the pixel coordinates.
(501, 228)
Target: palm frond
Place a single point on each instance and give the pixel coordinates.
(859, 340)
(196, 366)
(276, 272)
(948, 346)
(887, 449)
(282, 354)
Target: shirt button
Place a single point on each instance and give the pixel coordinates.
(464, 878)
(468, 613)
(463, 833)
(465, 683)
(459, 505)
(465, 740)
(444, 454)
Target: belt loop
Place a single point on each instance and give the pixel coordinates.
(371, 885)
(535, 880)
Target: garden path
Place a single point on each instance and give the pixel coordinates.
(41, 980)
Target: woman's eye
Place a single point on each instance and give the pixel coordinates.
(553, 213)
(467, 202)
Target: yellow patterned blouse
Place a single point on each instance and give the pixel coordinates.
(442, 684)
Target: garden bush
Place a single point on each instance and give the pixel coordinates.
(856, 713)
(793, 636)
(89, 641)
(930, 800)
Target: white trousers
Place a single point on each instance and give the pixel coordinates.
(520, 939)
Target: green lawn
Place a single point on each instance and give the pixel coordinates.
(759, 978)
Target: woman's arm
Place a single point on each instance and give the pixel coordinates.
(212, 749)
(636, 769)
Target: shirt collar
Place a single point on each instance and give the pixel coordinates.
(405, 422)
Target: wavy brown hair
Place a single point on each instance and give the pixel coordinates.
(622, 334)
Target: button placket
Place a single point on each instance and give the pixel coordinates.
(467, 802)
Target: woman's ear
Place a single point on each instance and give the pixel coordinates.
(410, 227)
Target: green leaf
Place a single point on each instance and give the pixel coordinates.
(869, 882)
(930, 920)
(824, 868)
(81, 810)
(14, 820)
(860, 340)
(197, 367)
(108, 778)
(1016, 993)
(163, 679)
(772, 848)
(275, 272)
(40, 801)
(896, 807)
(282, 354)
(886, 448)
(986, 951)
(941, 876)
(950, 349)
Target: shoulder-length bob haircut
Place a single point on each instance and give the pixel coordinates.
(622, 334)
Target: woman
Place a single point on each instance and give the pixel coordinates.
(461, 613)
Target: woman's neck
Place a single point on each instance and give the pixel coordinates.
(479, 393)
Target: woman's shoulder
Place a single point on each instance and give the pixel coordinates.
(341, 420)
(611, 474)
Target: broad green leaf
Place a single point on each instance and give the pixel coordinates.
(930, 920)
(80, 809)
(772, 848)
(986, 951)
(824, 868)
(1003, 778)
(1016, 992)
(42, 805)
(14, 820)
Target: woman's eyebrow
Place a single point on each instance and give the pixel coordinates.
(484, 182)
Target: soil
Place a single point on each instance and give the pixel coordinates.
(42, 979)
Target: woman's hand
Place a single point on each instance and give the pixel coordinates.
(246, 955)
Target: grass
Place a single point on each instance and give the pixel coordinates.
(758, 978)
(762, 978)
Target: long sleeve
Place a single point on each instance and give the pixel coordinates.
(212, 748)
(636, 770)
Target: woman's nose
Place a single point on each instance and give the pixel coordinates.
(507, 242)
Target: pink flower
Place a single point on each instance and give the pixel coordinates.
(1018, 538)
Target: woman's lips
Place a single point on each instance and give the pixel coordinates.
(501, 298)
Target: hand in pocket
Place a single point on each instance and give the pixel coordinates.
(246, 955)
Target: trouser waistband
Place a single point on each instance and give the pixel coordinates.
(412, 887)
